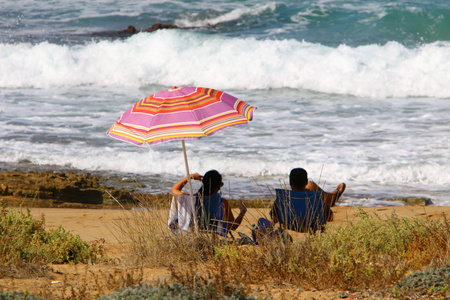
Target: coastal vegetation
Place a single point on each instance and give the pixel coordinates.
(370, 254)
(395, 257)
(26, 245)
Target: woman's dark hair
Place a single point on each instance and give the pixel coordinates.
(298, 178)
(211, 181)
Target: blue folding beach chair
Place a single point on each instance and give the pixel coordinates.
(300, 211)
(210, 215)
(208, 211)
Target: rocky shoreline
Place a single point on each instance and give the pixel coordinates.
(60, 188)
(54, 188)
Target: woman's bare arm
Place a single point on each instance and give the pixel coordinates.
(233, 223)
(178, 187)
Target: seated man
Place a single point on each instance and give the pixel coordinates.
(298, 180)
(311, 214)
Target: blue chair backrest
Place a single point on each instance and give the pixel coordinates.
(210, 213)
(300, 211)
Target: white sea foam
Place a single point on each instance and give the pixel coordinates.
(397, 167)
(178, 57)
(243, 174)
(233, 15)
(374, 116)
(382, 148)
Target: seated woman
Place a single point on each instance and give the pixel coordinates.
(211, 208)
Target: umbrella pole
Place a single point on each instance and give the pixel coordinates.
(191, 192)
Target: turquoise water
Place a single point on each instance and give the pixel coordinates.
(330, 23)
(354, 91)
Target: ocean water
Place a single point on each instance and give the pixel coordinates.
(352, 91)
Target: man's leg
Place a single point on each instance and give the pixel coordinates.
(328, 198)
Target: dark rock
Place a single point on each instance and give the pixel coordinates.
(54, 187)
(158, 26)
(76, 195)
(130, 30)
(121, 195)
(412, 200)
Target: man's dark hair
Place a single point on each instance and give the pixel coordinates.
(298, 178)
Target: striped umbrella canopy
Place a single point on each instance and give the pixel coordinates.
(180, 113)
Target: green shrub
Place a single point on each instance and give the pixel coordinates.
(24, 240)
(18, 296)
(174, 291)
(430, 282)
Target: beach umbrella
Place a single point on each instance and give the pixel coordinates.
(180, 113)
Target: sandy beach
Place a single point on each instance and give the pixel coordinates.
(98, 226)
(94, 224)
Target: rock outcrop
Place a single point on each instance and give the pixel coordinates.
(157, 26)
(61, 187)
